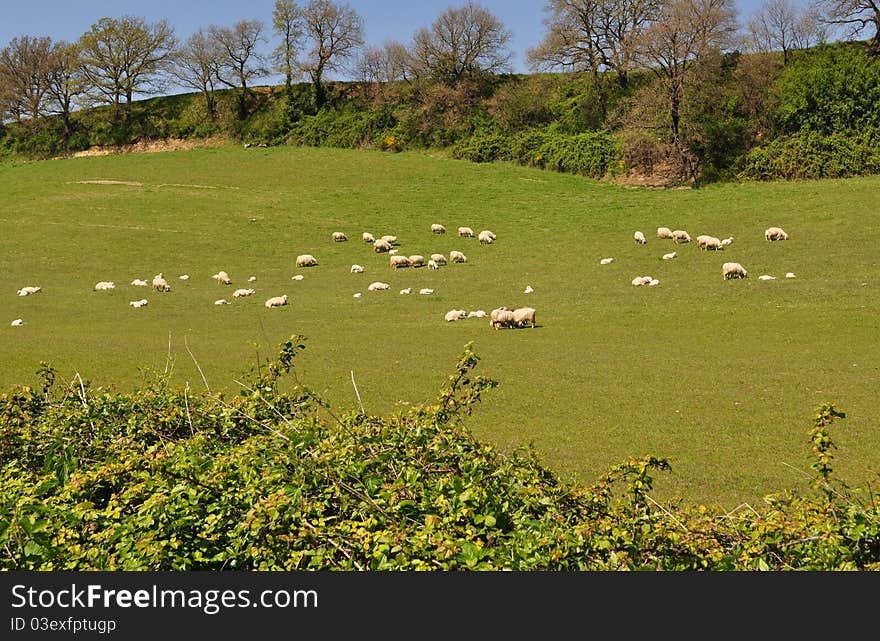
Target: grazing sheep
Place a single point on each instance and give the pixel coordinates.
(241, 293)
(455, 315)
(433, 264)
(306, 260)
(709, 243)
(222, 277)
(670, 256)
(425, 291)
(378, 287)
(416, 261)
(368, 237)
(528, 290)
(440, 259)
(486, 237)
(399, 261)
(524, 317)
(138, 303)
(339, 237)
(775, 233)
(28, 290)
(297, 277)
(606, 261)
(160, 284)
(137, 282)
(501, 317)
(664, 232)
(277, 301)
(790, 275)
(221, 301)
(457, 257)
(389, 239)
(105, 284)
(465, 231)
(405, 292)
(733, 270)
(357, 269)
(477, 313)
(381, 245)
(639, 237)
(437, 228)
(17, 322)
(680, 236)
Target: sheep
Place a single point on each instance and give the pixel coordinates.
(28, 290)
(356, 295)
(501, 317)
(306, 260)
(406, 292)
(775, 233)
(709, 243)
(368, 237)
(160, 284)
(399, 261)
(104, 285)
(457, 257)
(726, 241)
(524, 317)
(680, 236)
(466, 231)
(638, 281)
(639, 237)
(297, 277)
(184, 277)
(440, 259)
(17, 322)
(670, 256)
(426, 291)
(252, 279)
(389, 239)
(393, 251)
(486, 237)
(381, 246)
(528, 290)
(241, 293)
(437, 228)
(433, 264)
(222, 277)
(477, 313)
(416, 261)
(455, 315)
(766, 277)
(339, 237)
(357, 269)
(138, 303)
(276, 301)
(653, 282)
(664, 232)
(606, 261)
(137, 282)
(221, 301)
(378, 287)
(790, 275)
(733, 270)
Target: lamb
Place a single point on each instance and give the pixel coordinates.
(306, 260)
(276, 301)
(766, 277)
(241, 293)
(433, 264)
(501, 317)
(416, 261)
(477, 313)
(17, 322)
(664, 232)
(670, 256)
(297, 277)
(486, 237)
(393, 251)
(726, 241)
(775, 233)
(138, 303)
(680, 236)
(160, 284)
(437, 228)
(389, 239)
(440, 259)
(184, 277)
(638, 281)
(28, 290)
(733, 270)
(606, 261)
(221, 301)
(339, 237)
(368, 237)
(455, 315)
(406, 292)
(222, 277)
(524, 317)
(104, 285)
(466, 231)
(790, 275)
(377, 287)
(528, 290)
(252, 279)
(639, 237)
(381, 246)
(457, 257)
(357, 269)
(399, 261)
(137, 282)
(425, 291)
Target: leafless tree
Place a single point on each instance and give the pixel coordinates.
(24, 67)
(195, 66)
(240, 60)
(287, 24)
(462, 42)
(855, 17)
(387, 63)
(783, 25)
(66, 81)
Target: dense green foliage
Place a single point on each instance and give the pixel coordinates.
(274, 479)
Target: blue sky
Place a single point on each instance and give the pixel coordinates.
(383, 19)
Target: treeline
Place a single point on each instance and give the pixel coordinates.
(673, 90)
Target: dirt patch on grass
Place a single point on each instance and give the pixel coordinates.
(151, 146)
(110, 182)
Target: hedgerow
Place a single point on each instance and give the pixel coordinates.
(274, 479)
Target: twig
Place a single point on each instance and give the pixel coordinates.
(668, 513)
(357, 393)
(186, 402)
(198, 367)
(82, 388)
(168, 358)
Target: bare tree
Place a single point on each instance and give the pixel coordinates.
(287, 23)
(195, 66)
(335, 32)
(240, 60)
(66, 81)
(24, 67)
(782, 25)
(462, 42)
(125, 56)
(387, 63)
(854, 16)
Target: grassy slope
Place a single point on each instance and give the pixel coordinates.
(721, 377)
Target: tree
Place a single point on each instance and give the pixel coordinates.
(287, 23)
(239, 61)
(335, 32)
(195, 66)
(855, 16)
(126, 56)
(66, 81)
(462, 42)
(24, 67)
(780, 25)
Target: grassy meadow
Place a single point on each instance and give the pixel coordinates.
(721, 377)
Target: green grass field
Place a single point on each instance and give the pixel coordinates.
(722, 377)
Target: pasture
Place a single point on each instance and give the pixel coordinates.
(721, 377)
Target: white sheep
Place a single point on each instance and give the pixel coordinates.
(241, 293)
(378, 287)
(606, 261)
(437, 228)
(356, 295)
(17, 322)
(137, 282)
(398, 261)
(368, 237)
(440, 259)
(221, 301)
(297, 277)
(276, 301)
(357, 269)
(160, 284)
(252, 279)
(138, 303)
(775, 233)
(183, 277)
(680, 236)
(477, 313)
(639, 237)
(766, 277)
(381, 246)
(426, 291)
(389, 239)
(709, 243)
(393, 252)
(306, 260)
(653, 282)
(416, 260)
(733, 270)
(104, 285)
(457, 257)
(670, 256)
(664, 232)
(465, 231)
(29, 289)
(726, 241)
(528, 290)
(222, 277)
(486, 237)
(790, 275)
(638, 281)
(339, 237)
(455, 315)
(524, 317)
(405, 292)
(501, 317)
(432, 264)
